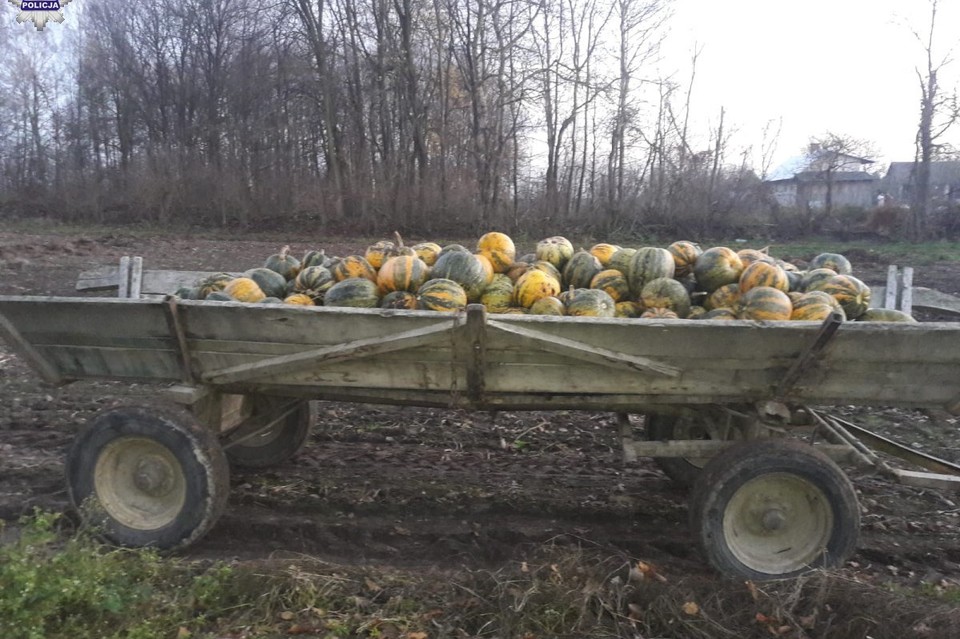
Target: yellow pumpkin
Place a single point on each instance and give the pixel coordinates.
(499, 249)
(534, 285)
(244, 289)
(603, 252)
(299, 299)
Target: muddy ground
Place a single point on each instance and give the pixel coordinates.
(435, 489)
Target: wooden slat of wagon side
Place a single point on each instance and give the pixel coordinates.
(321, 357)
(304, 326)
(321, 346)
(96, 338)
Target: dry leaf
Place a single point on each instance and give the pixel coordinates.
(636, 612)
(297, 629)
(752, 588)
(182, 633)
(762, 618)
(286, 615)
(415, 635)
(809, 621)
(782, 630)
(691, 608)
(524, 567)
(643, 570)
(372, 585)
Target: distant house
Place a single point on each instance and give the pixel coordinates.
(809, 181)
(900, 182)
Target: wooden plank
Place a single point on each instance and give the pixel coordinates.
(123, 281)
(102, 278)
(117, 363)
(153, 281)
(47, 371)
(303, 325)
(906, 291)
(927, 480)
(923, 298)
(890, 295)
(136, 277)
(586, 352)
(472, 343)
(709, 448)
(75, 319)
(184, 394)
(929, 299)
(346, 351)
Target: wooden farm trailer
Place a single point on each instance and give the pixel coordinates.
(719, 398)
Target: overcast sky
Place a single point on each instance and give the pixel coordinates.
(846, 66)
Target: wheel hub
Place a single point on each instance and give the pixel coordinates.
(774, 519)
(777, 523)
(140, 483)
(153, 475)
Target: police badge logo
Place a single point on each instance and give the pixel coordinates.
(39, 11)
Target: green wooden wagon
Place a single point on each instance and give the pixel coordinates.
(728, 405)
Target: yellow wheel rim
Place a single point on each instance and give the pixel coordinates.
(777, 523)
(139, 483)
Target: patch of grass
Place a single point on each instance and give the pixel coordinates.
(54, 587)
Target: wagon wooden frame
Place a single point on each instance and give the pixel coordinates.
(245, 373)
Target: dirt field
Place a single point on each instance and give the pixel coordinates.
(433, 490)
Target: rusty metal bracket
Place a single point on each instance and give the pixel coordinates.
(809, 355)
(172, 312)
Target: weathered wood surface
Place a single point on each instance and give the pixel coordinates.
(920, 297)
(152, 282)
(430, 358)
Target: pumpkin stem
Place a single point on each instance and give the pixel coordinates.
(396, 234)
(284, 251)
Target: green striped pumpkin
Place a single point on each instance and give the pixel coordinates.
(463, 268)
(358, 292)
(666, 293)
(580, 270)
(716, 267)
(852, 294)
(590, 302)
(649, 263)
(613, 282)
(402, 273)
(442, 295)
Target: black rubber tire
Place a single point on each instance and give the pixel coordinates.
(203, 472)
(773, 460)
(663, 428)
(289, 440)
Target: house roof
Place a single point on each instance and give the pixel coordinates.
(942, 172)
(800, 163)
(837, 176)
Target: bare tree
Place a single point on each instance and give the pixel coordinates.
(939, 111)
(826, 156)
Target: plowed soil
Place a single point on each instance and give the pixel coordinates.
(434, 488)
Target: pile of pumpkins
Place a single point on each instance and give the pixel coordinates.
(681, 281)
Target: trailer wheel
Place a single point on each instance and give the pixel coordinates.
(774, 509)
(685, 470)
(147, 477)
(276, 444)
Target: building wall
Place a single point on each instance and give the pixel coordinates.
(860, 193)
